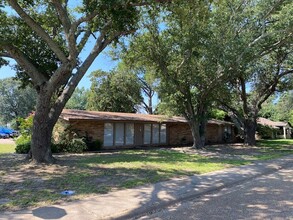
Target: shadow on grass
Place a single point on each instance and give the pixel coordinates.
(27, 185)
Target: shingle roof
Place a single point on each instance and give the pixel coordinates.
(265, 121)
(69, 114)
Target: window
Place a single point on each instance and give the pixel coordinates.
(108, 134)
(155, 134)
(119, 134)
(147, 134)
(129, 134)
(163, 135)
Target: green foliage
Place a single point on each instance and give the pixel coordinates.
(68, 141)
(26, 125)
(36, 50)
(15, 101)
(115, 91)
(23, 144)
(78, 99)
(74, 145)
(217, 114)
(261, 64)
(46, 40)
(265, 131)
(187, 57)
(291, 118)
(279, 108)
(93, 145)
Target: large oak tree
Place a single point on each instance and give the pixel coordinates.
(186, 49)
(261, 59)
(46, 39)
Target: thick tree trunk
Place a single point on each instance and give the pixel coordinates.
(42, 131)
(249, 132)
(197, 139)
(41, 139)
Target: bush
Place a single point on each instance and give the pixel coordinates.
(265, 131)
(56, 148)
(23, 144)
(23, 148)
(76, 145)
(94, 145)
(98, 144)
(69, 142)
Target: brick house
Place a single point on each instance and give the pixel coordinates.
(281, 129)
(117, 130)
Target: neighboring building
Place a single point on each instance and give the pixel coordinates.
(130, 130)
(281, 129)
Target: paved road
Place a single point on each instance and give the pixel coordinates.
(266, 197)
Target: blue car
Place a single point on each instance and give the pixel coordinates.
(6, 133)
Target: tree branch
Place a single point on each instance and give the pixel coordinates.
(38, 29)
(69, 31)
(62, 15)
(244, 96)
(273, 8)
(83, 41)
(100, 45)
(37, 77)
(3, 54)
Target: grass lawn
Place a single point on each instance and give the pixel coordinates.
(272, 149)
(7, 148)
(24, 185)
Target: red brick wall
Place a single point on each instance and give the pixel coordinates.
(92, 129)
(179, 134)
(214, 133)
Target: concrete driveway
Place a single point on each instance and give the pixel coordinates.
(6, 141)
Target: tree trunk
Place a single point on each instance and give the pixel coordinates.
(249, 132)
(41, 140)
(197, 140)
(42, 131)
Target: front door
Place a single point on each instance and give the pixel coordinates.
(138, 134)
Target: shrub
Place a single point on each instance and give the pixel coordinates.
(68, 141)
(23, 144)
(23, 148)
(94, 145)
(26, 125)
(76, 145)
(265, 131)
(56, 148)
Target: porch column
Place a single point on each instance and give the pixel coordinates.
(285, 134)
